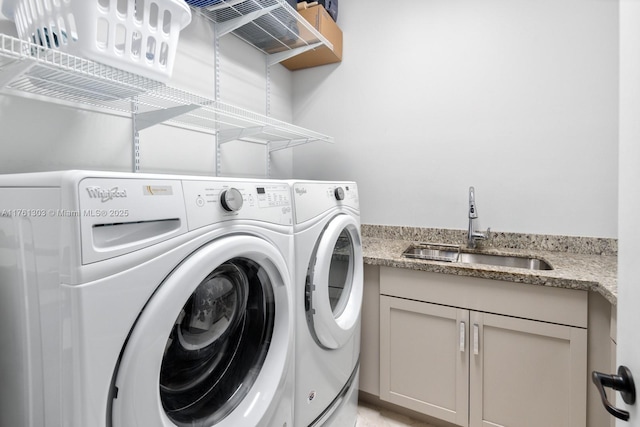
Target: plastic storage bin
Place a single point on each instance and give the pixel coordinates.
(139, 36)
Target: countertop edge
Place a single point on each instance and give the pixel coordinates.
(595, 273)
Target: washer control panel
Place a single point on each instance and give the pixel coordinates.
(213, 201)
(231, 200)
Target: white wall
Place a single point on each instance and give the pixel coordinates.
(39, 136)
(515, 97)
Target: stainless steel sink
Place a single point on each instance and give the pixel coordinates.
(505, 261)
(452, 253)
(421, 252)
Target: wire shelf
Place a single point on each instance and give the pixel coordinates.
(230, 122)
(30, 68)
(26, 68)
(272, 26)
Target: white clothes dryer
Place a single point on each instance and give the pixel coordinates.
(328, 282)
(132, 300)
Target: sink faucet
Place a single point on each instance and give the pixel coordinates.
(474, 235)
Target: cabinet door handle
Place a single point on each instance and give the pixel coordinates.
(476, 339)
(463, 328)
(623, 382)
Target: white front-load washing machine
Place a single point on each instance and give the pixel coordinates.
(145, 300)
(328, 282)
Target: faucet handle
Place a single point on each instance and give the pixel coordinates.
(473, 212)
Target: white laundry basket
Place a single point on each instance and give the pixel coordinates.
(139, 36)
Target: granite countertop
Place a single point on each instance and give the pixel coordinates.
(580, 271)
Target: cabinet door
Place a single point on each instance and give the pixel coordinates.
(424, 361)
(525, 373)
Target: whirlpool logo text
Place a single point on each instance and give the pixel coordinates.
(106, 194)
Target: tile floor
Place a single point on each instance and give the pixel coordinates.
(372, 416)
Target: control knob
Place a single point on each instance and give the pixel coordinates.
(231, 200)
(339, 193)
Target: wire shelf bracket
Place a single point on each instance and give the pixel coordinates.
(229, 135)
(152, 118)
(275, 58)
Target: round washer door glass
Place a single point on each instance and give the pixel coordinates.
(334, 286)
(212, 345)
(218, 344)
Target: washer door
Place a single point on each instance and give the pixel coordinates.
(212, 345)
(334, 283)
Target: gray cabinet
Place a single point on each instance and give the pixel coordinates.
(527, 373)
(424, 362)
(478, 352)
(613, 366)
(370, 332)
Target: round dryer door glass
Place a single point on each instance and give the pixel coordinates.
(333, 289)
(341, 273)
(218, 344)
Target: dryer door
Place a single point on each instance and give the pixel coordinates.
(334, 283)
(213, 344)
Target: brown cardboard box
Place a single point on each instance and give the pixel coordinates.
(321, 20)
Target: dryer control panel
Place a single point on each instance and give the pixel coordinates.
(313, 198)
(212, 201)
